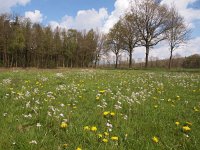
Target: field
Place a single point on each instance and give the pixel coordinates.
(99, 110)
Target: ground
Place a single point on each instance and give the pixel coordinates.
(99, 109)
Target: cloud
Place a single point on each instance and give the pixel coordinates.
(7, 4)
(35, 17)
(162, 50)
(190, 14)
(121, 7)
(85, 19)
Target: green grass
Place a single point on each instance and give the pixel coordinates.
(146, 103)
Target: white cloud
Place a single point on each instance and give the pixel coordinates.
(85, 19)
(35, 17)
(190, 14)
(121, 7)
(5, 5)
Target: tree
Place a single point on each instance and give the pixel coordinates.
(114, 41)
(177, 34)
(130, 36)
(100, 49)
(151, 21)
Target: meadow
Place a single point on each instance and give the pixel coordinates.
(99, 110)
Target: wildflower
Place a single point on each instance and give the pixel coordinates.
(86, 128)
(186, 128)
(38, 125)
(65, 145)
(155, 139)
(105, 140)
(100, 135)
(156, 106)
(112, 114)
(105, 113)
(33, 142)
(102, 91)
(63, 125)
(114, 138)
(106, 133)
(195, 109)
(189, 123)
(78, 148)
(177, 123)
(93, 128)
(97, 98)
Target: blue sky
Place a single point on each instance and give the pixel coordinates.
(103, 14)
(56, 9)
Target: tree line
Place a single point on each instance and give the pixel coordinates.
(24, 44)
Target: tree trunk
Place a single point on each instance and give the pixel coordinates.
(147, 56)
(170, 59)
(116, 61)
(130, 59)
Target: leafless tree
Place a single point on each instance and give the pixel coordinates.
(114, 41)
(130, 36)
(151, 22)
(178, 32)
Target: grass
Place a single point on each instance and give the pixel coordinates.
(128, 108)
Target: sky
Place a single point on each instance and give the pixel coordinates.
(103, 14)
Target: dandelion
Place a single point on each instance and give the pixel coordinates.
(155, 139)
(65, 145)
(100, 135)
(189, 123)
(186, 128)
(63, 125)
(112, 114)
(195, 109)
(106, 133)
(102, 91)
(114, 138)
(93, 128)
(105, 140)
(177, 123)
(105, 113)
(78, 148)
(86, 128)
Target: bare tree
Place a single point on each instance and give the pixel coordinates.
(100, 49)
(114, 41)
(151, 23)
(130, 36)
(177, 34)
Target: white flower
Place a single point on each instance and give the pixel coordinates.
(61, 115)
(33, 142)
(38, 125)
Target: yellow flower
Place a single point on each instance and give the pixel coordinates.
(112, 114)
(78, 148)
(105, 113)
(97, 98)
(114, 138)
(100, 135)
(186, 128)
(155, 139)
(105, 140)
(195, 109)
(106, 133)
(177, 123)
(86, 128)
(102, 91)
(156, 106)
(63, 125)
(189, 123)
(65, 145)
(93, 128)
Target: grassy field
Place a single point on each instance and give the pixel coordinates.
(99, 110)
